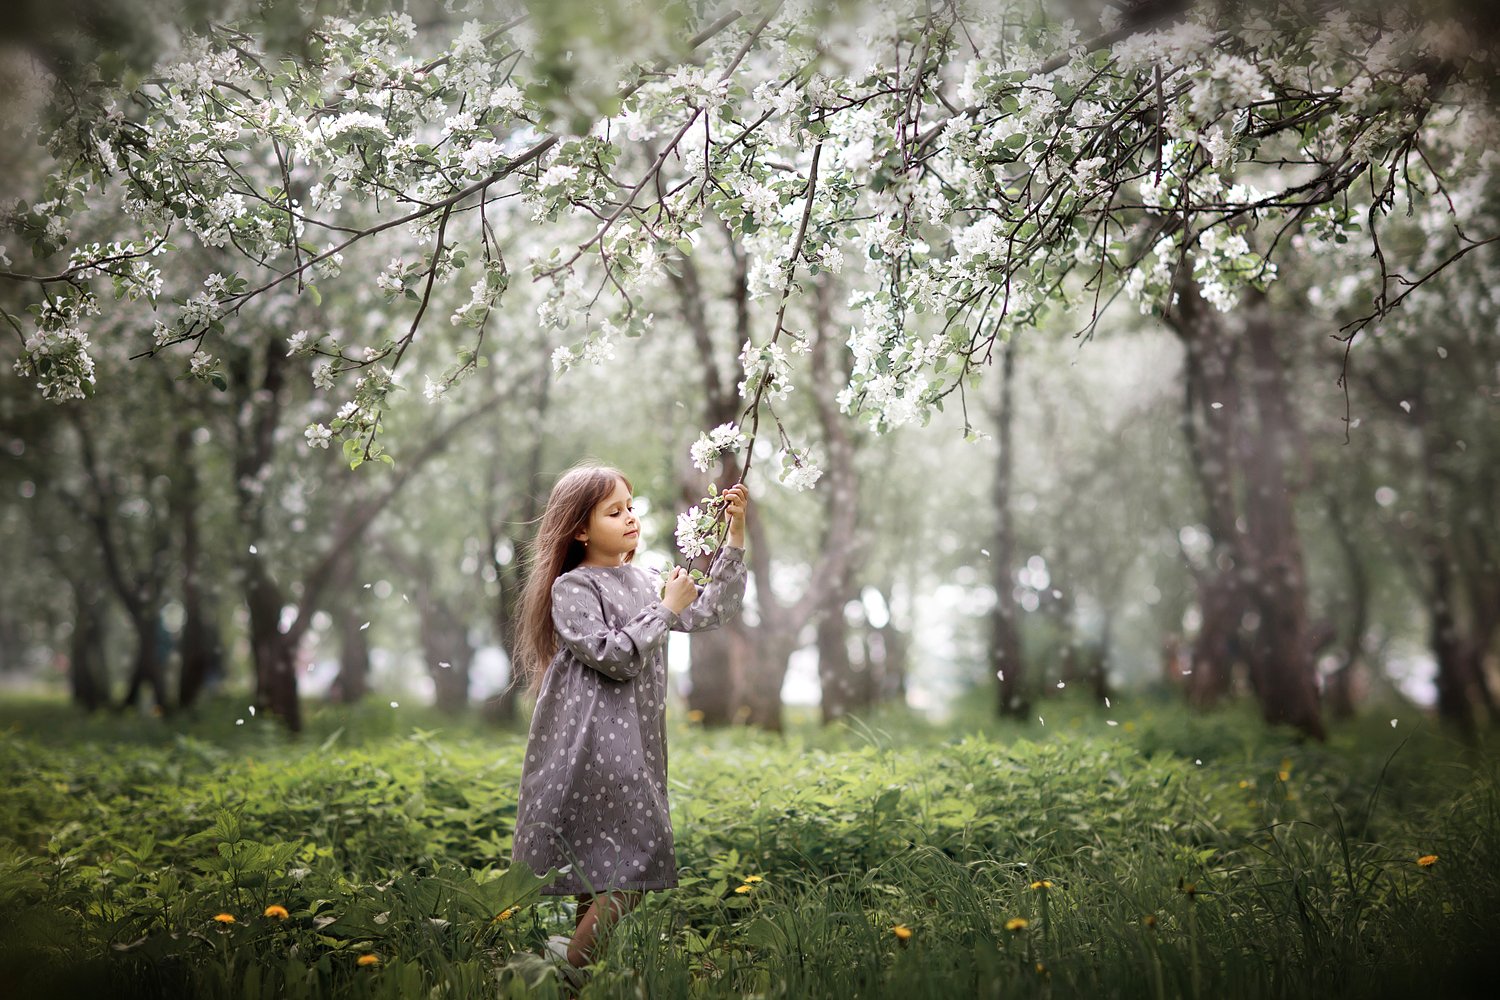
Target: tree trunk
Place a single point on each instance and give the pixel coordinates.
(1339, 689)
(1281, 663)
(712, 668)
(88, 667)
(353, 681)
(501, 708)
(198, 656)
(272, 651)
(146, 668)
(1005, 630)
(1255, 581)
(844, 683)
(760, 693)
(448, 653)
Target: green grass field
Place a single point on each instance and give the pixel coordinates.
(1168, 855)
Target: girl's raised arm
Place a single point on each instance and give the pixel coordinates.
(721, 597)
(617, 653)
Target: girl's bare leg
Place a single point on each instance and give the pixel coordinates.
(582, 908)
(602, 913)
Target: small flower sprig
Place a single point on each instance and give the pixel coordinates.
(701, 530)
(704, 528)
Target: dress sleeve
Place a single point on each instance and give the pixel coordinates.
(721, 597)
(617, 653)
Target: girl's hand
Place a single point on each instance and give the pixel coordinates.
(680, 591)
(738, 499)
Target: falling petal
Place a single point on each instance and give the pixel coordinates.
(1217, 406)
(1106, 702)
(444, 663)
(239, 722)
(252, 550)
(1393, 723)
(1110, 722)
(1406, 406)
(1062, 684)
(1197, 760)
(1057, 594)
(1000, 674)
(364, 626)
(406, 599)
(1041, 720)
(252, 709)
(985, 553)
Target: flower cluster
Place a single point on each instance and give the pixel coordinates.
(723, 439)
(768, 372)
(797, 470)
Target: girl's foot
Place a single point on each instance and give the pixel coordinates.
(556, 951)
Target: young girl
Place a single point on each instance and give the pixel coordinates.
(593, 796)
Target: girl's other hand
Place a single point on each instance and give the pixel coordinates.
(738, 499)
(680, 591)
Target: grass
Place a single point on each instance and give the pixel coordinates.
(1167, 855)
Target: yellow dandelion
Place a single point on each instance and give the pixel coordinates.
(696, 715)
(1016, 924)
(276, 910)
(902, 932)
(1244, 783)
(743, 888)
(1149, 920)
(1188, 889)
(368, 958)
(1427, 860)
(1129, 726)
(1283, 775)
(506, 913)
(1041, 884)
(1041, 969)
(751, 879)
(225, 918)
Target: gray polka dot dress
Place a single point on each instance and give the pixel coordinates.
(593, 797)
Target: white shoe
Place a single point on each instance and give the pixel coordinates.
(556, 949)
(557, 946)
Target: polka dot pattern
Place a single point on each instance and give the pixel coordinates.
(593, 796)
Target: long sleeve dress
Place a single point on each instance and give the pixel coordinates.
(593, 796)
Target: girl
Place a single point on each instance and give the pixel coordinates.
(593, 798)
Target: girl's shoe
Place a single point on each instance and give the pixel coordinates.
(557, 946)
(556, 950)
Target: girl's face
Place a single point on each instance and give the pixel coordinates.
(612, 530)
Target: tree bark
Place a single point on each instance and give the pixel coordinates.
(1005, 629)
(1253, 593)
(197, 647)
(1281, 653)
(844, 683)
(501, 708)
(714, 657)
(88, 666)
(352, 683)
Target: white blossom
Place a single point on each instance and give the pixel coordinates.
(318, 436)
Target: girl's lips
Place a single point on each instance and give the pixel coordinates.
(632, 534)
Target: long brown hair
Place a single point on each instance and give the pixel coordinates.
(553, 552)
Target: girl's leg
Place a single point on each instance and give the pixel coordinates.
(582, 908)
(605, 910)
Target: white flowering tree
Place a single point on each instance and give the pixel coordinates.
(981, 163)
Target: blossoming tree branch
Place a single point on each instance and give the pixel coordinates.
(979, 163)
